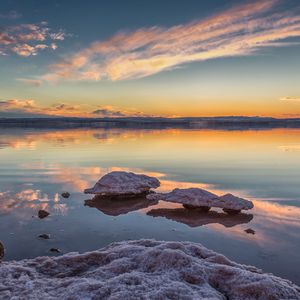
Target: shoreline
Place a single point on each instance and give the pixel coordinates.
(231, 123)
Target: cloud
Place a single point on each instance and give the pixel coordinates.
(29, 108)
(28, 39)
(113, 112)
(290, 99)
(16, 105)
(11, 15)
(241, 30)
(108, 113)
(24, 107)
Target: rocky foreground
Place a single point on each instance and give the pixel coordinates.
(143, 269)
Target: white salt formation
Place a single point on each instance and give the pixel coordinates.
(233, 203)
(144, 269)
(199, 198)
(123, 183)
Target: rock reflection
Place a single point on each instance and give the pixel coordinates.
(116, 207)
(198, 218)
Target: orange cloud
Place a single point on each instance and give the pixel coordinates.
(241, 30)
(290, 99)
(29, 107)
(25, 107)
(28, 39)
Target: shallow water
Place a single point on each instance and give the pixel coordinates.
(264, 166)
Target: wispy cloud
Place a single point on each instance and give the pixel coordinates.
(290, 99)
(28, 39)
(29, 107)
(241, 30)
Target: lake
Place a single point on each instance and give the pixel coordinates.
(36, 166)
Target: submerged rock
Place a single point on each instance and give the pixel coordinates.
(193, 198)
(144, 269)
(123, 183)
(43, 214)
(65, 195)
(2, 251)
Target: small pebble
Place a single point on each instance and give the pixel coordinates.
(65, 195)
(56, 250)
(43, 214)
(1, 250)
(44, 236)
(250, 231)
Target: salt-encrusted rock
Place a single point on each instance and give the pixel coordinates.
(123, 183)
(232, 204)
(195, 218)
(118, 207)
(190, 198)
(1, 250)
(144, 269)
(199, 198)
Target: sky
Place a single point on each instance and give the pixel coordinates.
(149, 58)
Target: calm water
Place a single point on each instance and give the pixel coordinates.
(36, 166)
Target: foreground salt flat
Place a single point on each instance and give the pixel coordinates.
(142, 269)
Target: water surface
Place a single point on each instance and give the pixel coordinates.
(37, 166)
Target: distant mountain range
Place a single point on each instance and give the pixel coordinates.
(230, 122)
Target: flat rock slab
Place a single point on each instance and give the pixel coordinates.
(196, 197)
(123, 183)
(143, 269)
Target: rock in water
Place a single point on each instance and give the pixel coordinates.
(1, 250)
(43, 214)
(65, 195)
(250, 231)
(144, 269)
(123, 183)
(199, 198)
(234, 203)
(55, 250)
(191, 197)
